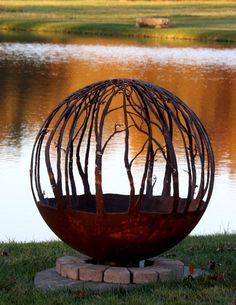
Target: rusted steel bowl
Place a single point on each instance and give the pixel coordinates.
(122, 170)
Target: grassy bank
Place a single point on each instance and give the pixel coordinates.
(20, 262)
(198, 20)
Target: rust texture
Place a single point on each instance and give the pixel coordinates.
(150, 129)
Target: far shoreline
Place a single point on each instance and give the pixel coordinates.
(165, 36)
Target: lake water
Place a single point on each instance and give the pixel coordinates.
(35, 74)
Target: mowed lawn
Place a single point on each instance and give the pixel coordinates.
(199, 20)
(216, 254)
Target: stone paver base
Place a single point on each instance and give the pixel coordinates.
(50, 279)
(75, 271)
(77, 268)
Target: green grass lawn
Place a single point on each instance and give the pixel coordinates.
(198, 20)
(17, 270)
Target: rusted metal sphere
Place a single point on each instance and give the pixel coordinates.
(122, 170)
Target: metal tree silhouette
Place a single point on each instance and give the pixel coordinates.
(72, 145)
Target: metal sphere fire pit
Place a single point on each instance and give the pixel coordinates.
(122, 170)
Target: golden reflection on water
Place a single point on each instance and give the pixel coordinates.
(29, 91)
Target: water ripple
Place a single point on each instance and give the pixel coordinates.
(47, 52)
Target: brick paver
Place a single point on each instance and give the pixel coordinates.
(117, 275)
(143, 276)
(92, 272)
